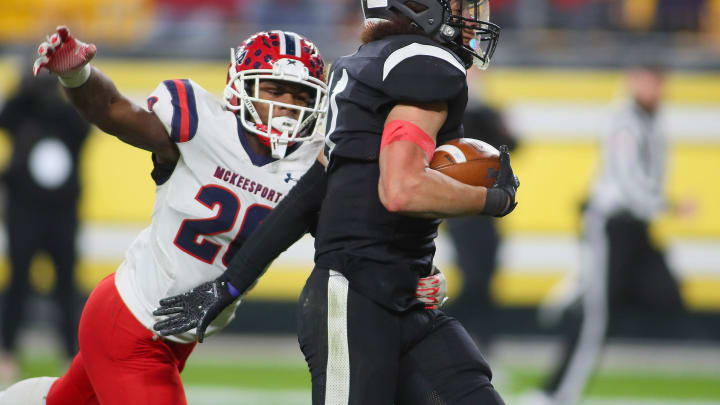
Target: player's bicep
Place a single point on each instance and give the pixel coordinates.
(409, 135)
(428, 117)
(407, 146)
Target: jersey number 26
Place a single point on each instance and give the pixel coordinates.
(189, 240)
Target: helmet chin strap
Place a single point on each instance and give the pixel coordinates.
(278, 145)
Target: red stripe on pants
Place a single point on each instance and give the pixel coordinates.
(120, 362)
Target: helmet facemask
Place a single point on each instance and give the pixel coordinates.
(279, 132)
(477, 36)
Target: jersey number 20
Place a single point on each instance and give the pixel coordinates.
(188, 238)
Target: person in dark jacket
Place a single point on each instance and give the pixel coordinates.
(42, 192)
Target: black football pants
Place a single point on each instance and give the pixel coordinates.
(29, 231)
(360, 353)
(624, 273)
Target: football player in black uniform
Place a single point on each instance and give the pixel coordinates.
(365, 335)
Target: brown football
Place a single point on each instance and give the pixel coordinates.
(468, 161)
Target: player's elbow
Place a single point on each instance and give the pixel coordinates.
(398, 194)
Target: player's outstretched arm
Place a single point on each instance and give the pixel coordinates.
(97, 98)
(408, 186)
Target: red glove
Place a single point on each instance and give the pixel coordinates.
(66, 57)
(432, 290)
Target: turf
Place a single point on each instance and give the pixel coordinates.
(632, 385)
(285, 376)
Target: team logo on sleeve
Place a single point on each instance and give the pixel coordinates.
(151, 102)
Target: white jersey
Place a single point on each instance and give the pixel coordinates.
(217, 194)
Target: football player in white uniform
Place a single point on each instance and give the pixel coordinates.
(220, 167)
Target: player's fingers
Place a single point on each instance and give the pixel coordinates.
(63, 32)
(39, 64)
(517, 181)
(429, 281)
(428, 300)
(178, 329)
(55, 40)
(86, 51)
(427, 292)
(174, 326)
(166, 323)
(504, 157)
(44, 48)
(171, 301)
(165, 311)
(203, 325)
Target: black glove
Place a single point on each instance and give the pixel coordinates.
(195, 308)
(500, 199)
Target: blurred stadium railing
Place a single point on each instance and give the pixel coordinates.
(556, 70)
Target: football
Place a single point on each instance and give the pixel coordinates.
(469, 161)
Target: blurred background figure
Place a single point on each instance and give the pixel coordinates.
(41, 213)
(476, 239)
(622, 271)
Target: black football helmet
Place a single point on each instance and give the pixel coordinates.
(468, 31)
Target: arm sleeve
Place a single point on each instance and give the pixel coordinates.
(294, 216)
(175, 103)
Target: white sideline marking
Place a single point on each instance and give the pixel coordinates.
(224, 395)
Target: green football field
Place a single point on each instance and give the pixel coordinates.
(270, 370)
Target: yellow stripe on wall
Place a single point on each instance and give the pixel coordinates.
(506, 86)
(556, 175)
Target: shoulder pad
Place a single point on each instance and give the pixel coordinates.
(175, 103)
(416, 69)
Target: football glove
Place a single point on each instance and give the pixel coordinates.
(196, 308)
(432, 290)
(500, 199)
(66, 57)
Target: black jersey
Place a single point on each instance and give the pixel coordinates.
(381, 253)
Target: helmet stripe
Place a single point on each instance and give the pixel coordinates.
(289, 45)
(282, 42)
(298, 46)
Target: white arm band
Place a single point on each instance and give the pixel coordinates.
(76, 78)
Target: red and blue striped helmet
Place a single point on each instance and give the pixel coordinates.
(283, 56)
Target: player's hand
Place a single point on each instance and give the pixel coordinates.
(195, 308)
(432, 290)
(63, 55)
(500, 199)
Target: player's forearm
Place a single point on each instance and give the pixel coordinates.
(100, 103)
(294, 216)
(95, 99)
(431, 194)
